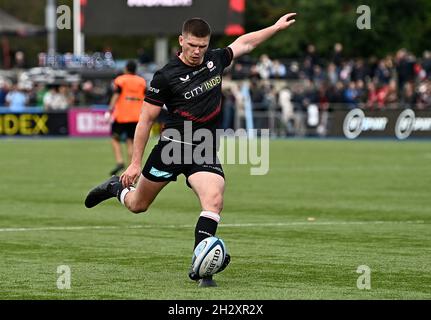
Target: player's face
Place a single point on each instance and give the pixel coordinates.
(193, 49)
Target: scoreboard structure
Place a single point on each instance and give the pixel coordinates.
(159, 17)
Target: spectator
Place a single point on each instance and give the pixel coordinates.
(424, 95)
(299, 107)
(332, 73)
(264, 66)
(372, 100)
(323, 110)
(77, 94)
(383, 73)
(337, 57)
(307, 70)
(426, 64)
(362, 93)
(89, 95)
(228, 109)
(55, 99)
(19, 60)
(387, 94)
(278, 70)
(351, 95)
(3, 92)
(16, 99)
(41, 90)
(270, 95)
(257, 96)
(372, 67)
(409, 96)
(392, 94)
(336, 93)
(345, 72)
(293, 70)
(238, 71)
(254, 73)
(404, 67)
(311, 55)
(67, 94)
(359, 71)
(318, 75)
(287, 110)
(382, 91)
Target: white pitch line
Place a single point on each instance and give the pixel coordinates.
(227, 225)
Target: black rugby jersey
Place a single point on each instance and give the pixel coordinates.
(191, 93)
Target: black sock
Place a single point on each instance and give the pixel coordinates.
(205, 227)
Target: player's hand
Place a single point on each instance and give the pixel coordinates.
(130, 176)
(108, 116)
(285, 21)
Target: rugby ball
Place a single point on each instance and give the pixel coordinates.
(208, 256)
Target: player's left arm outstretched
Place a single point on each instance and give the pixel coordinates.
(247, 42)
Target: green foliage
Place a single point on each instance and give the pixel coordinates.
(394, 24)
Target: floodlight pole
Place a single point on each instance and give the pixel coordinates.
(78, 36)
(161, 50)
(50, 23)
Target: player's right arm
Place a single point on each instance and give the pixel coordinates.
(113, 101)
(148, 115)
(158, 94)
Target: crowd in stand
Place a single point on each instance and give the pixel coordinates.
(395, 81)
(52, 97)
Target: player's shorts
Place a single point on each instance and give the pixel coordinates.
(119, 130)
(169, 159)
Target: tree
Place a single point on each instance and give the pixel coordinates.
(395, 24)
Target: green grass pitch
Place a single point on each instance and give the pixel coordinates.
(370, 201)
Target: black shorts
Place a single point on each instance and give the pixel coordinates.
(178, 162)
(121, 130)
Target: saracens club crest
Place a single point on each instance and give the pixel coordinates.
(210, 65)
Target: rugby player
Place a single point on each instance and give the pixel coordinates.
(190, 87)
